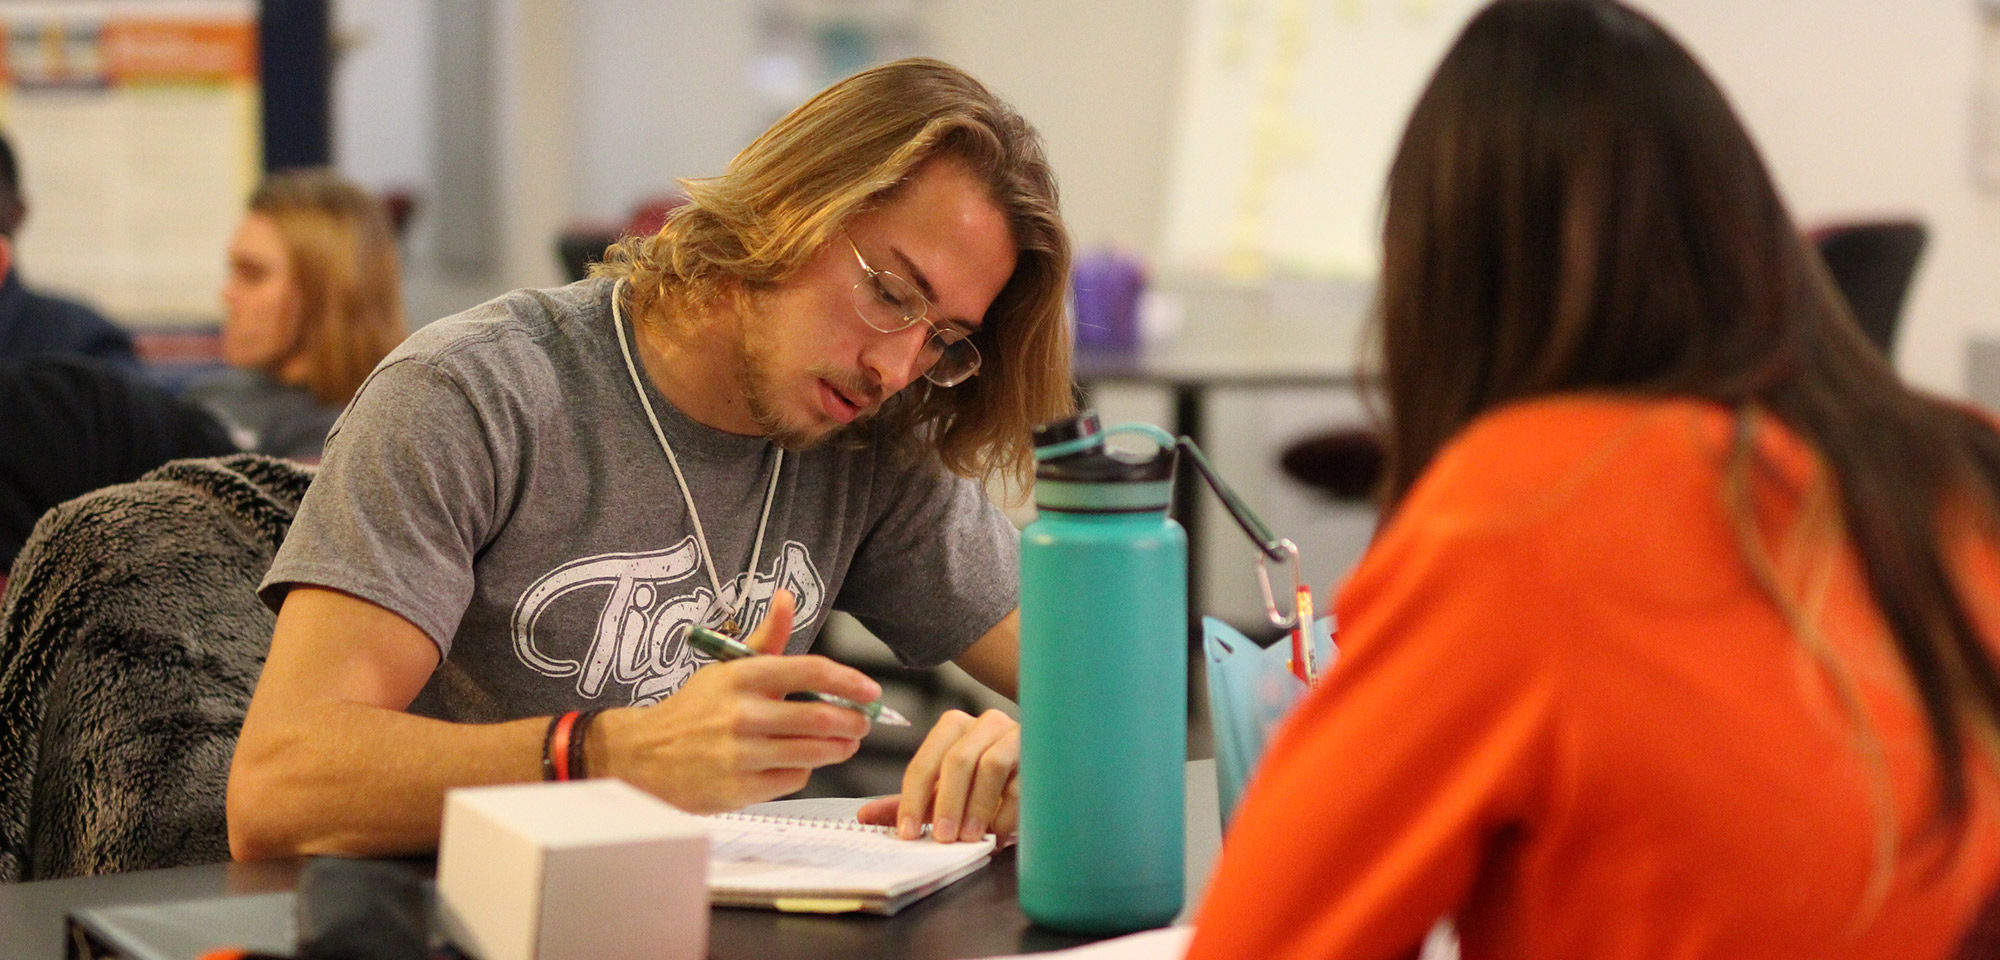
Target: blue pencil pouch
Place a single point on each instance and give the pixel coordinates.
(1251, 689)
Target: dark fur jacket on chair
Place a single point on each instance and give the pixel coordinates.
(132, 640)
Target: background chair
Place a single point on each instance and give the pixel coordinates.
(1873, 262)
(130, 641)
(1344, 463)
(582, 244)
(69, 425)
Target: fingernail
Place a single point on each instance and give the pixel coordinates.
(875, 692)
(947, 829)
(906, 827)
(973, 829)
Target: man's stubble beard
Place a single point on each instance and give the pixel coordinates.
(754, 372)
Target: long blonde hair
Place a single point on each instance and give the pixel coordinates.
(343, 259)
(840, 153)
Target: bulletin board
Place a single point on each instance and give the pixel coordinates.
(1289, 117)
(136, 126)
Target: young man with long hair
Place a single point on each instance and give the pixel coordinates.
(1678, 639)
(774, 408)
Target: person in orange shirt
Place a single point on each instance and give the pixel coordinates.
(1679, 638)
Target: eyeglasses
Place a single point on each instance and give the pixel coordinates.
(891, 304)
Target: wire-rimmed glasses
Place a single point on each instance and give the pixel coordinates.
(891, 304)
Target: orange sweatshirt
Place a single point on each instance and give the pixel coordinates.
(1566, 714)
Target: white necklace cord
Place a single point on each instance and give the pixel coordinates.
(687, 494)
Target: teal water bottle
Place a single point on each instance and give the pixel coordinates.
(1103, 685)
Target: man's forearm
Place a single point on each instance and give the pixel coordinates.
(995, 659)
(328, 762)
(359, 780)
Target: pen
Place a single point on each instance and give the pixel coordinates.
(723, 648)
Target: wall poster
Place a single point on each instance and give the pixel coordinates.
(136, 126)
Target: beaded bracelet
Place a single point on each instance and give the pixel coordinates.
(578, 768)
(556, 746)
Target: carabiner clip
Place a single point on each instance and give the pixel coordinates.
(1286, 617)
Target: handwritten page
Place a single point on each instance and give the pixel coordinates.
(759, 856)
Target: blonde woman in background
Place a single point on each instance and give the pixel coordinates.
(313, 302)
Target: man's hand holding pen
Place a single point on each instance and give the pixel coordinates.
(729, 737)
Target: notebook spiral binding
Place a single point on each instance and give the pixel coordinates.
(854, 826)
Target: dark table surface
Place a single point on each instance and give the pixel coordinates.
(975, 917)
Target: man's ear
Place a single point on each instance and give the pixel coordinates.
(6, 255)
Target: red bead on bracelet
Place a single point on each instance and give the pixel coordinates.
(559, 745)
(579, 733)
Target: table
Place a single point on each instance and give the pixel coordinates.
(976, 917)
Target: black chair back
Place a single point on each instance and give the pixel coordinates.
(1873, 264)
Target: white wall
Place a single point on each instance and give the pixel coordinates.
(664, 90)
(1861, 106)
(1865, 106)
(1099, 80)
(661, 91)
(382, 92)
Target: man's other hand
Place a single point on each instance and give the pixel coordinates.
(964, 781)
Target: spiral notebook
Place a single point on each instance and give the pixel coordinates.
(814, 857)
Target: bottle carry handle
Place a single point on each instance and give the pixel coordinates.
(1269, 546)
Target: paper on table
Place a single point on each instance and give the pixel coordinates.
(828, 865)
(781, 856)
(841, 809)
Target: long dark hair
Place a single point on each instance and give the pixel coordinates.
(1575, 207)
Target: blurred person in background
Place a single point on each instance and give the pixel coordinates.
(1678, 639)
(33, 323)
(70, 424)
(313, 301)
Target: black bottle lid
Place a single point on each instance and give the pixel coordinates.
(1095, 463)
(1084, 424)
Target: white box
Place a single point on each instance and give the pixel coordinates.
(567, 871)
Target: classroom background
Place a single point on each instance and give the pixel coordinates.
(1235, 147)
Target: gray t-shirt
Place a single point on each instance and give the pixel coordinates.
(496, 483)
(264, 415)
